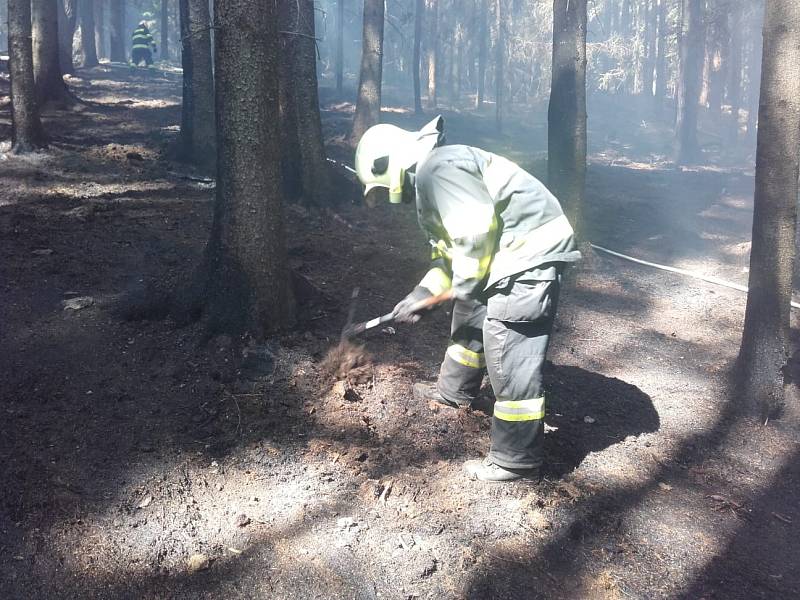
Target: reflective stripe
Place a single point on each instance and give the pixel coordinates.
(439, 250)
(466, 357)
(538, 241)
(140, 47)
(519, 410)
(437, 281)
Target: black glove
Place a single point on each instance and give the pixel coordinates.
(403, 312)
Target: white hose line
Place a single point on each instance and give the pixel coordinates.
(706, 278)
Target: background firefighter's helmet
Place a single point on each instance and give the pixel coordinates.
(386, 152)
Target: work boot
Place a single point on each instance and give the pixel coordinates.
(427, 392)
(486, 470)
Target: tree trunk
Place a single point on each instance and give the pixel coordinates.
(87, 34)
(247, 287)
(368, 105)
(765, 339)
(164, 49)
(50, 86)
(116, 14)
(291, 159)
(26, 128)
(661, 55)
(432, 49)
(99, 27)
(198, 135)
(691, 62)
(566, 116)
(735, 74)
(650, 48)
(483, 36)
(499, 62)
(67, 19)
(316, 184)
(754, 73)
(718, 43)
(415, 62)
(340, 48)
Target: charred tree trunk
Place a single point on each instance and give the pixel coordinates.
(661, 54)
(67, 19)
(87, 34)
(340, 48)
(247, 285)
(483, 36)
(691, 63)
(566, 116)
(50, 86)
(432, 50)
(719, 48)
(116, 18)
(416, 63)
(198, 135)
(164, 49)
(368, 105)
(765, 339)
(316, 185)
(26, 128)
(291, 159)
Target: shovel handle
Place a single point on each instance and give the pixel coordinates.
(421, 305)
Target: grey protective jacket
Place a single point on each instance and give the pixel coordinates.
(487, 219)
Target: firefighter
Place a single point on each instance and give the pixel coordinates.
(499, 242)
(143, 45)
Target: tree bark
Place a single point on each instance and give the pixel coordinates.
(368, 105)
(416, 63)
(754, 72)
(164, 49)
(198, 135)
(50, 86)
(87, 34)
(247, 286)
(432, 50)
(67, 19)
(765, 339)
(26, 128)
(291, 159)
(566, 117)
(691, 62)
(116, 18)
(316, 184)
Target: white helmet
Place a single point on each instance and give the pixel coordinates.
(386, 152)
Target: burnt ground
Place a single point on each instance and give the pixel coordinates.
(140, 459)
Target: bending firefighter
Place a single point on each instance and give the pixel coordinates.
(499, 242)
(143, 46)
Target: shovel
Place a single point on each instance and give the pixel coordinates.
(351, 329)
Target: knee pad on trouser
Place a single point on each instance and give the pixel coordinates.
(462, 370)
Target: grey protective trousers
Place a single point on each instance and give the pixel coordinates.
(506, 334)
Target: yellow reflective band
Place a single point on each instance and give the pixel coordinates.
(466, 357)
(520, 410)
(467, 267)
(440, 250)
(437, 281)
